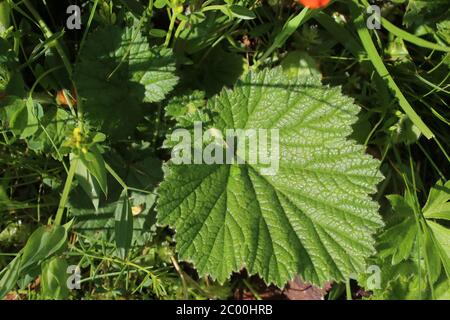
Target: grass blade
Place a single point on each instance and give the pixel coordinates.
(377, 62)
(410, 37)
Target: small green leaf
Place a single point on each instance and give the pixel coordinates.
(54, 279)
(404, 130)
(123, 225)
(9, 106)
(159, 4)
(93, 161)
(19, 120)
(242, 12)
(186, 109)
(438, 205)
(157, 33)
(25, 121)
(99, 137)
(43, 243)
(400, 234)
(441, 235)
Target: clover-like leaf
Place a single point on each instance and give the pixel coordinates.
(314, 217)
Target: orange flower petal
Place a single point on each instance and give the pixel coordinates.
(314, 4)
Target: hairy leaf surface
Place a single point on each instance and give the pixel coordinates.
(314, 217)
(118, 71)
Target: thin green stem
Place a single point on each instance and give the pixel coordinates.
(252, 290)
(348, 290)
(116, 176)
(48, 34)
(66, 190)
(173, 19)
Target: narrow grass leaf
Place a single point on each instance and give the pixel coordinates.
(373, 55)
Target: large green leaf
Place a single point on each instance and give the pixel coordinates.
(118, 71)
(123, 218)
(43, 243)
(95, 164)
(88, 183)
(314, 217)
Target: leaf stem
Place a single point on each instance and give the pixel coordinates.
(348, 289)
(116, 176)
(180, 272)
(252, 290)
(173, 19)
(65, 194)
